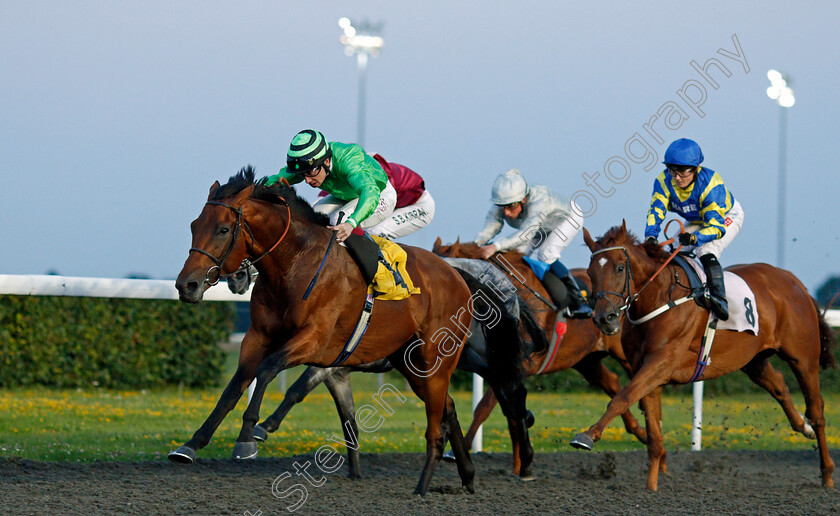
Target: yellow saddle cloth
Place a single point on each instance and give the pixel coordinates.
(391, 284)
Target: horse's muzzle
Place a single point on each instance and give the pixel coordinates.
(608, 322)
(190, 290)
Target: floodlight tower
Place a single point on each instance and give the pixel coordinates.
(362, 40)
(781, 92)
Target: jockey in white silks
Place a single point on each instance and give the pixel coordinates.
(546, 223)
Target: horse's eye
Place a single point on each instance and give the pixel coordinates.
(223, 230)
(620, 268)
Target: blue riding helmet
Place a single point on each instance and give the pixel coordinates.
(684, 152)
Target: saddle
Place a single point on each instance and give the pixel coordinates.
(365, 252)
(743, 312)
(382, 264)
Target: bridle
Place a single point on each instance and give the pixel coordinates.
(246, 264)
(626, 295)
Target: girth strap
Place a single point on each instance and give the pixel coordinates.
(705, 347)
(358, 332)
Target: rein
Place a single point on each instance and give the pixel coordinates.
(498, 259)
(246, 264)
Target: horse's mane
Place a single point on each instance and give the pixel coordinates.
(470, 250)
(275, 194)
(618, 235)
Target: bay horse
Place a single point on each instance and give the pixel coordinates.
(495, 349)
(282, 236)
(583, 347)
(663, 349)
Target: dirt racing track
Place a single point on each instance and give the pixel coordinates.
(707, 482)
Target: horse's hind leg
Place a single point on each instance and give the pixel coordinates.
(808, 375)
(651, 404)
(597, 374)
(311, 378)
(466, 470)
(762, 373)
(338, 384)
(480, 414)
(512, 401)
(433, 391)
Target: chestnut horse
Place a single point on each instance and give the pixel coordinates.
(663, 349)
(286, 241)
(583, 347)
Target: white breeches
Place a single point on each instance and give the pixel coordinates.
(331, 205)
(560, 237)
(734, 221)
(406, 220)
(385, 221)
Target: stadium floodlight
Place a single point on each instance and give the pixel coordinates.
(779, 89)
(782, 93)
(363, 40)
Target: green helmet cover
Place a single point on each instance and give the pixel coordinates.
(308, 150)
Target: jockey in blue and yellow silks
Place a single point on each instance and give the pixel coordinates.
(714, 217)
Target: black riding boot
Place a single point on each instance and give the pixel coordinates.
(715, 290)
(557, 291)
(578, 307)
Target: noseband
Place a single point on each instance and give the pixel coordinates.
(246, 264)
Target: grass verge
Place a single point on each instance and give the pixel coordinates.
(98, 424)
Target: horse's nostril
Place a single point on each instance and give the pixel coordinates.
(188, 287)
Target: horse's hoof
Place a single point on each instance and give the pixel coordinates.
(583, 441)
(245, 450)
(527, 478)
(808, 430)
(448, 456)
(183, 455)
(260, 434)
(529, 419)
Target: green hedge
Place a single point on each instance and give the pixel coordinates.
(115, 343)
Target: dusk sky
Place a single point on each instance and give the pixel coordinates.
(116, 117)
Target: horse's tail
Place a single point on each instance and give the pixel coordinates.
(826, 340)
(539, 342)
(505, 346)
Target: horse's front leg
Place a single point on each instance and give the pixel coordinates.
(311, 378)
(246, 445)
(656, 371)
(251, 354)
(598, 375)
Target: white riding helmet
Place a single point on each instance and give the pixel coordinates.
(509, 188)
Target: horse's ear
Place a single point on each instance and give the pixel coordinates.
(436, 245)
(588, 239)
(213, 189)
(455, 248)
(623, 227)
(243, 195)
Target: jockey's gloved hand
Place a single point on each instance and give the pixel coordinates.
(688, 238)
(651, 240)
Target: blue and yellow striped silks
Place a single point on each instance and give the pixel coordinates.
(705, 203)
